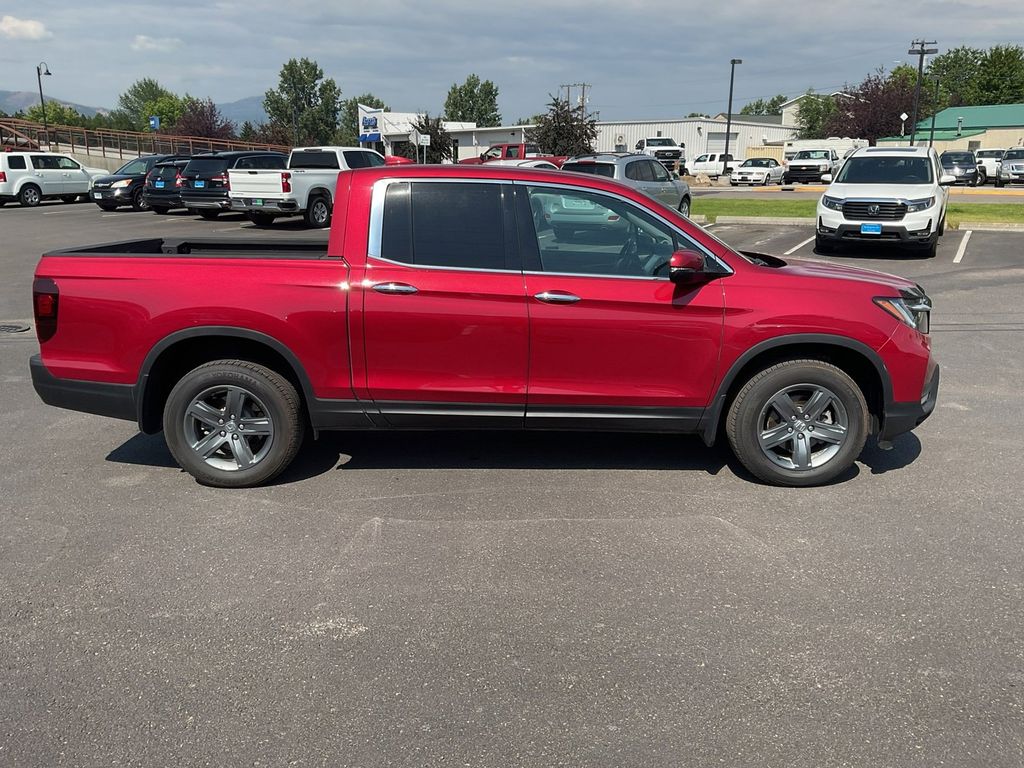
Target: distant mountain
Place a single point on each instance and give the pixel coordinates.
(250, 108)
(12, 101)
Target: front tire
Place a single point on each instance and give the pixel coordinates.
(69, 199)
(233, 423)
(139, 201)
(160, 210)
(684, 207)
(823, 245)
(798, 423)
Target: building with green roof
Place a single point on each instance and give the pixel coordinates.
(997, 126)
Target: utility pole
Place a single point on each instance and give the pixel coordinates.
(920, 50)
(728, 117)
(568, 93)
(935, 110)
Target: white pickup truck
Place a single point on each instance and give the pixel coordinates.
(714, 165)
(305, 188)
(665, 151)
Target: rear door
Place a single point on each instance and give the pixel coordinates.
(48, 175)
(613, 343)
(444, 314)
(666, 192)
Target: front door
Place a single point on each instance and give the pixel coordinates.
(75, 179)
(613, 343)
(444, 311)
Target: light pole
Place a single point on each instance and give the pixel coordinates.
(935, 111)
(39, 79)
(728, 115)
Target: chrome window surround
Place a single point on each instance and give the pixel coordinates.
(379, 193)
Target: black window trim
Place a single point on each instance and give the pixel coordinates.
(376, 233)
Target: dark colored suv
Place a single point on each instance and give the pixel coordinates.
(125, 186)
(205, 184)
(162, 190)
(962, 164)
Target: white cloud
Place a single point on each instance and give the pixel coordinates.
(23, 29)
(161, 44)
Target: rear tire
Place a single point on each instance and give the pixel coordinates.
(107, 207)
(828, 414)
(318, 213)
(69, 198)
(209, 214)
(999, 182)
(30, 196)
(206, 415)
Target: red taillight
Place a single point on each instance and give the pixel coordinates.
(223, 179)
(178, 181)
(3, 177)
(45, 302)
(286, 183)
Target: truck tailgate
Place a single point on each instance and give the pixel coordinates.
(249, 183)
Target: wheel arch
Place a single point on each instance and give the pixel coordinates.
(855, 358)
(177, 354)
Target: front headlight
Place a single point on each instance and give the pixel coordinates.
(912, 308)
(920, 205)
(834, 203)
(121, 183)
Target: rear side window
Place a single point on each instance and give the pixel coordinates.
(444, 225)
(16, 162)
(594, 169)
(314, 160)
(45, 162)
(354, 159)
(206, 167)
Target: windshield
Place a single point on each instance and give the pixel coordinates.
(1014, 154)
(813, 154)
(757, 162)
(594, 169)
(661, 143)
(868, 169)
(990, 153)
(134, 167)
(957, 158)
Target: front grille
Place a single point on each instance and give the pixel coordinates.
(860, 211)
(668, 154)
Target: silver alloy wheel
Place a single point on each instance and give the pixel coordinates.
(802, 427)
(31, 196)
(684, 207)
(229, 427)
(320, 212)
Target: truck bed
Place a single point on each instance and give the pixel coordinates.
(205, 248)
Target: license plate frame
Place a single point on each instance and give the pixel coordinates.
(97, 195)
(871, 229)
(158, 185)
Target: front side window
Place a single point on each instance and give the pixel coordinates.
(133, 168)
(67, 164)
(494, 153)
(658, 171)
(443, 224)
(701, 159)
(588, 233)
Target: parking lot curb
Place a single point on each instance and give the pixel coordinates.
(783, 220)
(699, 218)
(980, 226)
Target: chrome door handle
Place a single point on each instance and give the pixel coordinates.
(552, 297)
(394, 288)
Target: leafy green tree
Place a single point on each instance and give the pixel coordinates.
(772, 106)
(475, 101)
(56, 114)
(871, 109)
(134, 102)
(169, 108)
(440, 148)
(247, 132)
(697, 114)
(1000, 79)
(958, 70)
(564, 130)
(304, 101)
(813, 115)
(348, 127)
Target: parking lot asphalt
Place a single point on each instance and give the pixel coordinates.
(496, 599)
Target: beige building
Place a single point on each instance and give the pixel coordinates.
(998, 126)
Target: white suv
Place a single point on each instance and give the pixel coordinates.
(30, 177)
(885, 195)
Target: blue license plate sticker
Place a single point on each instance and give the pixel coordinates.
(201, 184)
(871, 229)
(158, 184)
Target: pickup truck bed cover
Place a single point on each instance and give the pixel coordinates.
(206, 248)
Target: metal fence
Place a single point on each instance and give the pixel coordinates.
(17, 134)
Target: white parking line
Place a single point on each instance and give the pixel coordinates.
(796, 248)
(963, 247)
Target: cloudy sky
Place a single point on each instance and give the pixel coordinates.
(643, 58)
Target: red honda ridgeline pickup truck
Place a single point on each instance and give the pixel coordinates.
(476, 297)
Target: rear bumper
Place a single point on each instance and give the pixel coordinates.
(114, 400)
(903, 417)
(218, 203)
(163, 200)
(286, 206)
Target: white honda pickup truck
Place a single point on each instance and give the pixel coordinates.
(304, 189)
